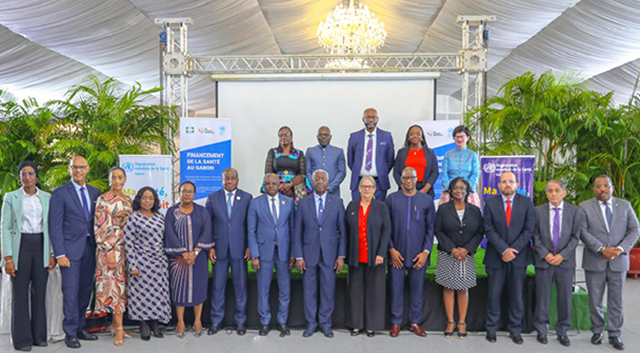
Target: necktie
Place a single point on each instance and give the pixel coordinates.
(607, 211)
(369, 161)
(556, 229)
(508, 213)
(229, 201)
(320, 210)
(83, 198)
(274, 213)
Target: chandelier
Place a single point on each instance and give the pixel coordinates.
(351, 30)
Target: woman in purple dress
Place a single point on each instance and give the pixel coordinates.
(187, 240)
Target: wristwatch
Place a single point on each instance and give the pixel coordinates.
(197, 252)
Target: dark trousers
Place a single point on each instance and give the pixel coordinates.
(380, 194)
(416, 286)
(77, 286)
(497, 277)
(564, 284)
(367, 294)
(29, 285)
(283, 276)
(326, 275)
(239, 278)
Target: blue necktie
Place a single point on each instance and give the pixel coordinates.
(83, 198)
(607, 211)
(229, 200)
(274, 213)
(320, 210)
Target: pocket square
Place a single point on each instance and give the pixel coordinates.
(383, 143)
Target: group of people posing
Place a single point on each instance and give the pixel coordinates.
(142, 262)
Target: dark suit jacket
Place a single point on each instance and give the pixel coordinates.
(311, 236)
(262, 231)
(229, 234)
(430, 172)
(451, 233)
(572, 218)
(378, 231)
(517, 236)
(68, 226)
(384, 156)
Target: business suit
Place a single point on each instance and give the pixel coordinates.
(72, 236)
(500, 237)
(330, 159)
(230, 238)
(319, 243)
(263, 234)
(430, 172)
(366, 281)
(30, 254)
(600, 272)
(570, 227)
(383, 160)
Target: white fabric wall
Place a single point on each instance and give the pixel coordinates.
(258, 109)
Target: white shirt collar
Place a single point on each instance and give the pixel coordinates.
(374, 133)
(24, 193)
(560, 206)
(277, 197)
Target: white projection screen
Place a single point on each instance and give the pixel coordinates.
(257, 110)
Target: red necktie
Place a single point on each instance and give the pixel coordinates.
(508, 213)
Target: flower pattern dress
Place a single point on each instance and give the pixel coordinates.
(111, 215)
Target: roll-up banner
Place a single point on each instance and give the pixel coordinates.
(493, 166)
(148, 170)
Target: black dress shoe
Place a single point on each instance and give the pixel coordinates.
(145, 333)
(309, 331)
(86, 335)
(516, 338)
(155, 329)
(241, 330)
(597, 338)
(284, 329)
(616, 342)
(24, 349)
(542, 339)
(371, 333)
(40, 343)
(72, 341)
(327, 332)
(491, 337)
(564, 340)
(213, 329)
(355, 332)
(264, 330)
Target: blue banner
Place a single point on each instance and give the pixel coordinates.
(439, 138)
(492, 167)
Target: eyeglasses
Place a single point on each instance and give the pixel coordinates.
(367, 187)
(409, 177)
(187, 192)
(27, 174)
(287, 135)
(79, 167)
(510, 182)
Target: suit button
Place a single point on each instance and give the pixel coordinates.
(229, 224)
(460, 232)
(320, 228)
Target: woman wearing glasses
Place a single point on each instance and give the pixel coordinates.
(27, 256)
(187, 240)
(461, 162)
(419, 156)
(369, 231)
(288, 163)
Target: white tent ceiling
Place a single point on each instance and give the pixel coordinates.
(46, 46)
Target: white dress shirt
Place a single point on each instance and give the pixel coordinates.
(374, 170)
(552, 214)
(86, 195)
(277, 197)
(31, 221)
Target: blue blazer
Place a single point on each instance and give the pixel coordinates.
(384, 157)
(333, 163)
(311, 235)
(229, 234)
(68, 226)
(262, 230)
(517, 236)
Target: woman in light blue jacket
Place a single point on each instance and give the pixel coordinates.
(26, 257)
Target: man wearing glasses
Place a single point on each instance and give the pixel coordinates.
(327, 157)
(509, 223)
(71, 231)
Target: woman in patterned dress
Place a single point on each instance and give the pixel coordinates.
(112, 210)
(459, 229)
(461, 162)
(148, 298)
(187, 240)
(289, 164)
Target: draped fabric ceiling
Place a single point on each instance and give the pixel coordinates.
(47, 46)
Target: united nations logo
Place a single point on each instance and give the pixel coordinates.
(127, 166)
(489, 168)
(222, 130)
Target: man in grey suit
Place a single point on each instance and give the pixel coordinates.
(555, 240)
(609, 232)
(327, 157)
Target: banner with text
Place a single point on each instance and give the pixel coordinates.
(493, 166)
(438, 137)
(152, 171)
(205, 151)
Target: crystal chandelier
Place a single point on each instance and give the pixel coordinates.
(351, 30)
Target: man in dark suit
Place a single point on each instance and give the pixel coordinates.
(228, 208)
(509, 222)
(370, 153)
(327, 157)
(269, 223)
(319, 246)
(609, 232)
(555, 240)
(71, 213)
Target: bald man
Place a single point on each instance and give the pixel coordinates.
(327, 157)
(71, 213)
